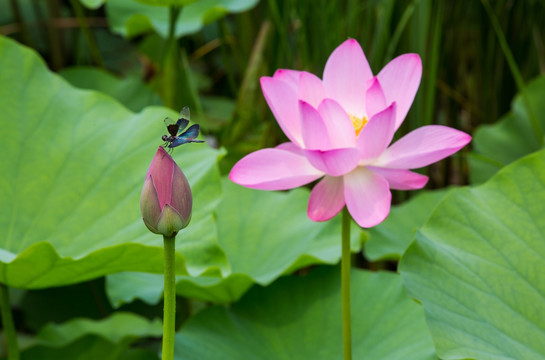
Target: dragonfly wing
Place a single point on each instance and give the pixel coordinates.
(171, 128)
(188, 136)
(184, 114)
(177, 142)
(180, 141)
(191, 133)
(182, 124)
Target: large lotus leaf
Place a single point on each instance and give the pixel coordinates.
(124, 287)
(390, 239)
(129, 18)
(129, 91)
(264, 235)
(93, 4)
(72, 171)
(477, 267)
(512, 137)
(167, 2)
(299, 317)
(104, 339)
(116, 328)
(90, 347)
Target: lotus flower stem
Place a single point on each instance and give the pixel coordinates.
(345, 286)
(7, 324)
(87, 34)
(170, 60)
(169, 311)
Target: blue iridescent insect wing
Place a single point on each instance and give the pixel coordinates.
(184, 118)
(187, 136)
(182, 124)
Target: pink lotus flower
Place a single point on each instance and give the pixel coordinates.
(166, 200)
(340, 130)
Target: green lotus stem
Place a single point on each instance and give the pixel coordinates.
(89, 38)
(7, 324)
(169, 311)
(170, 61)
(18, 15)
(228, 59)
(345, 286)
(54, 35)
(245, 100)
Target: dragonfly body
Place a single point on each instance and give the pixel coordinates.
(177, 136)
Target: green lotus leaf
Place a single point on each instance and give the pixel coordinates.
(264, 235)
(129, 18)
(124, 287)
(299, 317)
(167, 2)
(93, 4)
(106, 339)
(512, 137)
(477, 267)
(90, 347)
(390, 239)
(115, 328)
(73, 167)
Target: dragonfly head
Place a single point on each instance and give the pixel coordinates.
(164, 137)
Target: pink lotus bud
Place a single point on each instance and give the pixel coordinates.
(166, 199)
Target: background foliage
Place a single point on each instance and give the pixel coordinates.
(84, 87)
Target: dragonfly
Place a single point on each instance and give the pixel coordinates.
(177, 135)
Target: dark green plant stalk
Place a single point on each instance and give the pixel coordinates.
(514, 70)
(191, 86)
(245, 104)
(432, 55)
(17, 14)
(227, 59)
(54, 35)
(345, 286)
(7, 324)
(382, 34)
(169, 298)
(282, 34)
(400, 28)
(170, 60)
(88, 35)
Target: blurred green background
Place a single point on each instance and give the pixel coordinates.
(209, 55)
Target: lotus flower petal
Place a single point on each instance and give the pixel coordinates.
(345, 75)
(377, 134)
(399, 80)
(282, 100)
(422, 147)
(375, 100)
(326, 199)
(400, 179)
(315, 136)
(311, 89)
(367, 196)
(339, 127)
(273, 169)
(334, 162)
(290, 77)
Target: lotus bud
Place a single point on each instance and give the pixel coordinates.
(166, 199)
